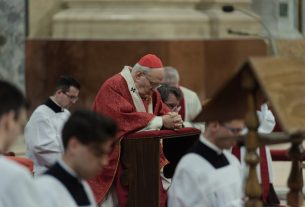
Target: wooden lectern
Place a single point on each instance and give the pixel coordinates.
(140, 156)
(282, 82)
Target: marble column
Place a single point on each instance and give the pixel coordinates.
(280, 17)
(236, 21)
(126, 19)
(301, 15)
(12, 24)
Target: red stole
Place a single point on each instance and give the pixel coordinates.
(264, 172)
(263, 169)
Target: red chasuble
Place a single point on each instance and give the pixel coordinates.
(114, 100)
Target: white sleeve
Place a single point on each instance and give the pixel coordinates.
(192, 105)
(43, 137)
(89, 194)
(266, 120)
(155, 124)
(22, 192)
(53, 192)
(197, 105)
(186, 191)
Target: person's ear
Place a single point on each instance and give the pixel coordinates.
(138, 75)
(73, 143)
(214, 126)
(7, 120)
(57, 92)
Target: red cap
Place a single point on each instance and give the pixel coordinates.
(150, 61)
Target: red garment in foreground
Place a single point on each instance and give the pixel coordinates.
(24, 162)
(114, 100)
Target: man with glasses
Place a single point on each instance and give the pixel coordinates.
(87, 139)
(43, 130)
(171, 97)
(131, 100)
(190, 103)
(209, 175)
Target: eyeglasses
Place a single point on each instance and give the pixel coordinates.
(72, 98)
(152, 83)
(234, 130)
(174, 107)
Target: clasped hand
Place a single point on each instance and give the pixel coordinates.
(172, 120)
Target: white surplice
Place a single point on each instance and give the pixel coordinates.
(55, 192)
(197, 183)
(192, 107)
(17, 188)
(43, 137)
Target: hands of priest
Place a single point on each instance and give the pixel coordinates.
(172, 120)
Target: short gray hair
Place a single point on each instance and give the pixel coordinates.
(137, 67)
(171, 74)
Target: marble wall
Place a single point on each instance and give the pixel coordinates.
(12, 27)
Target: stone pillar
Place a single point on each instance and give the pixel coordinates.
(280, 17)
(12, 24)
(301, 15)
(126, 19)
(40, 17)
(237, 21)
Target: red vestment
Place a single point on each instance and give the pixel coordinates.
(114, 100)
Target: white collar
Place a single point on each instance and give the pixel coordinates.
(210, 144)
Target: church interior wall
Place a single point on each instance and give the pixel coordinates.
(92, 62)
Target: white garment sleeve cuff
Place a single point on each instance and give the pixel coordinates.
(187, 124)
(155, 124)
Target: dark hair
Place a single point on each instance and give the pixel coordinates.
(11, 99)
(64, 83)
(88, 127)
(165, 90)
